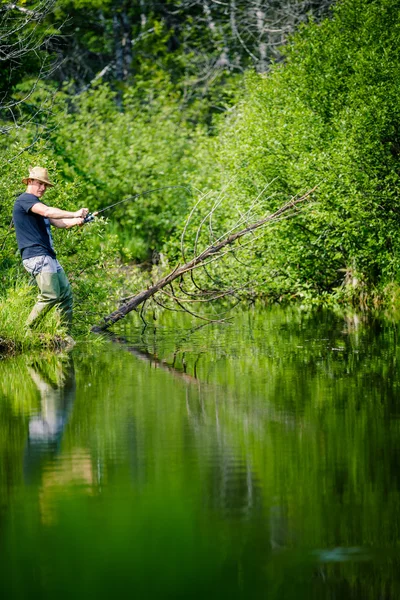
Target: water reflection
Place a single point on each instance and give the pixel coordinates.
(56, 400)
(248, 462)
(57, 388)
(45, 465)
(232, 486)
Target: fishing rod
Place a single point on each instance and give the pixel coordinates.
(91, 216)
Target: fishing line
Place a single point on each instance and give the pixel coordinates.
(90, 217)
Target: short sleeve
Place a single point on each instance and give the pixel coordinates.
(26, 201)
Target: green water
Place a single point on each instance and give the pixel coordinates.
(256, 460)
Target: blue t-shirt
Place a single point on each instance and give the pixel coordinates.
(33, 231)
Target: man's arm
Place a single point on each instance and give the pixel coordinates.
(66, 223)
(55, 214)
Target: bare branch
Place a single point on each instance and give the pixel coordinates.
(25, 11)
(22, 34)
(98, 76)
(211, 253)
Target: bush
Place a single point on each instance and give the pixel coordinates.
(117, 153)
(330, 115)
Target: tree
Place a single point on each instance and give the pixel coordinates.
(331, 114)
(24, 41)
(216, 249)
(197, 42)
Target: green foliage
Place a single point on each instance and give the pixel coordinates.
(115, 154)
(329, 116)
(25, 38)
(14, 335)
(198, 44)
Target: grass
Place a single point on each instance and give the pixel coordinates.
(15, 307)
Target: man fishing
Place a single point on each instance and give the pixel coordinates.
(32, 219)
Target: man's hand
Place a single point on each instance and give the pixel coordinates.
(61, 218)
(90, 217)
(81, 213)
(81, 221)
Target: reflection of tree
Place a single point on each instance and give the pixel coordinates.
(232, 486)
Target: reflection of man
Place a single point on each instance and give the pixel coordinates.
(44, 464)
(47, 426)
(55, 402)
(32, 221)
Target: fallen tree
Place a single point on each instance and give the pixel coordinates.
(214, 251)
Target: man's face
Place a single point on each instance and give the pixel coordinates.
(36, 187)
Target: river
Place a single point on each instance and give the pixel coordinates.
(253, 460)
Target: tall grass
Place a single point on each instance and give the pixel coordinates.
(15, 336)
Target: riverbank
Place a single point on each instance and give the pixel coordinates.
(96, 291)
(123, 281)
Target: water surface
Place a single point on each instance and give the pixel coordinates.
(256, 460)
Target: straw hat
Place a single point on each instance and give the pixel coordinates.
(40, 174)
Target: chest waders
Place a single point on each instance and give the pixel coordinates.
(54, 290)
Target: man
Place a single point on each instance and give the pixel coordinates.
(32, 221)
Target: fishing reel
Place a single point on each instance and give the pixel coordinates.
(89, 218)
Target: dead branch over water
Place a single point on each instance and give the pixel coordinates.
(214, 251)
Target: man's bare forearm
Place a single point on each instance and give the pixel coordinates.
(66, 223)
(51, 212)
(57, 213)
